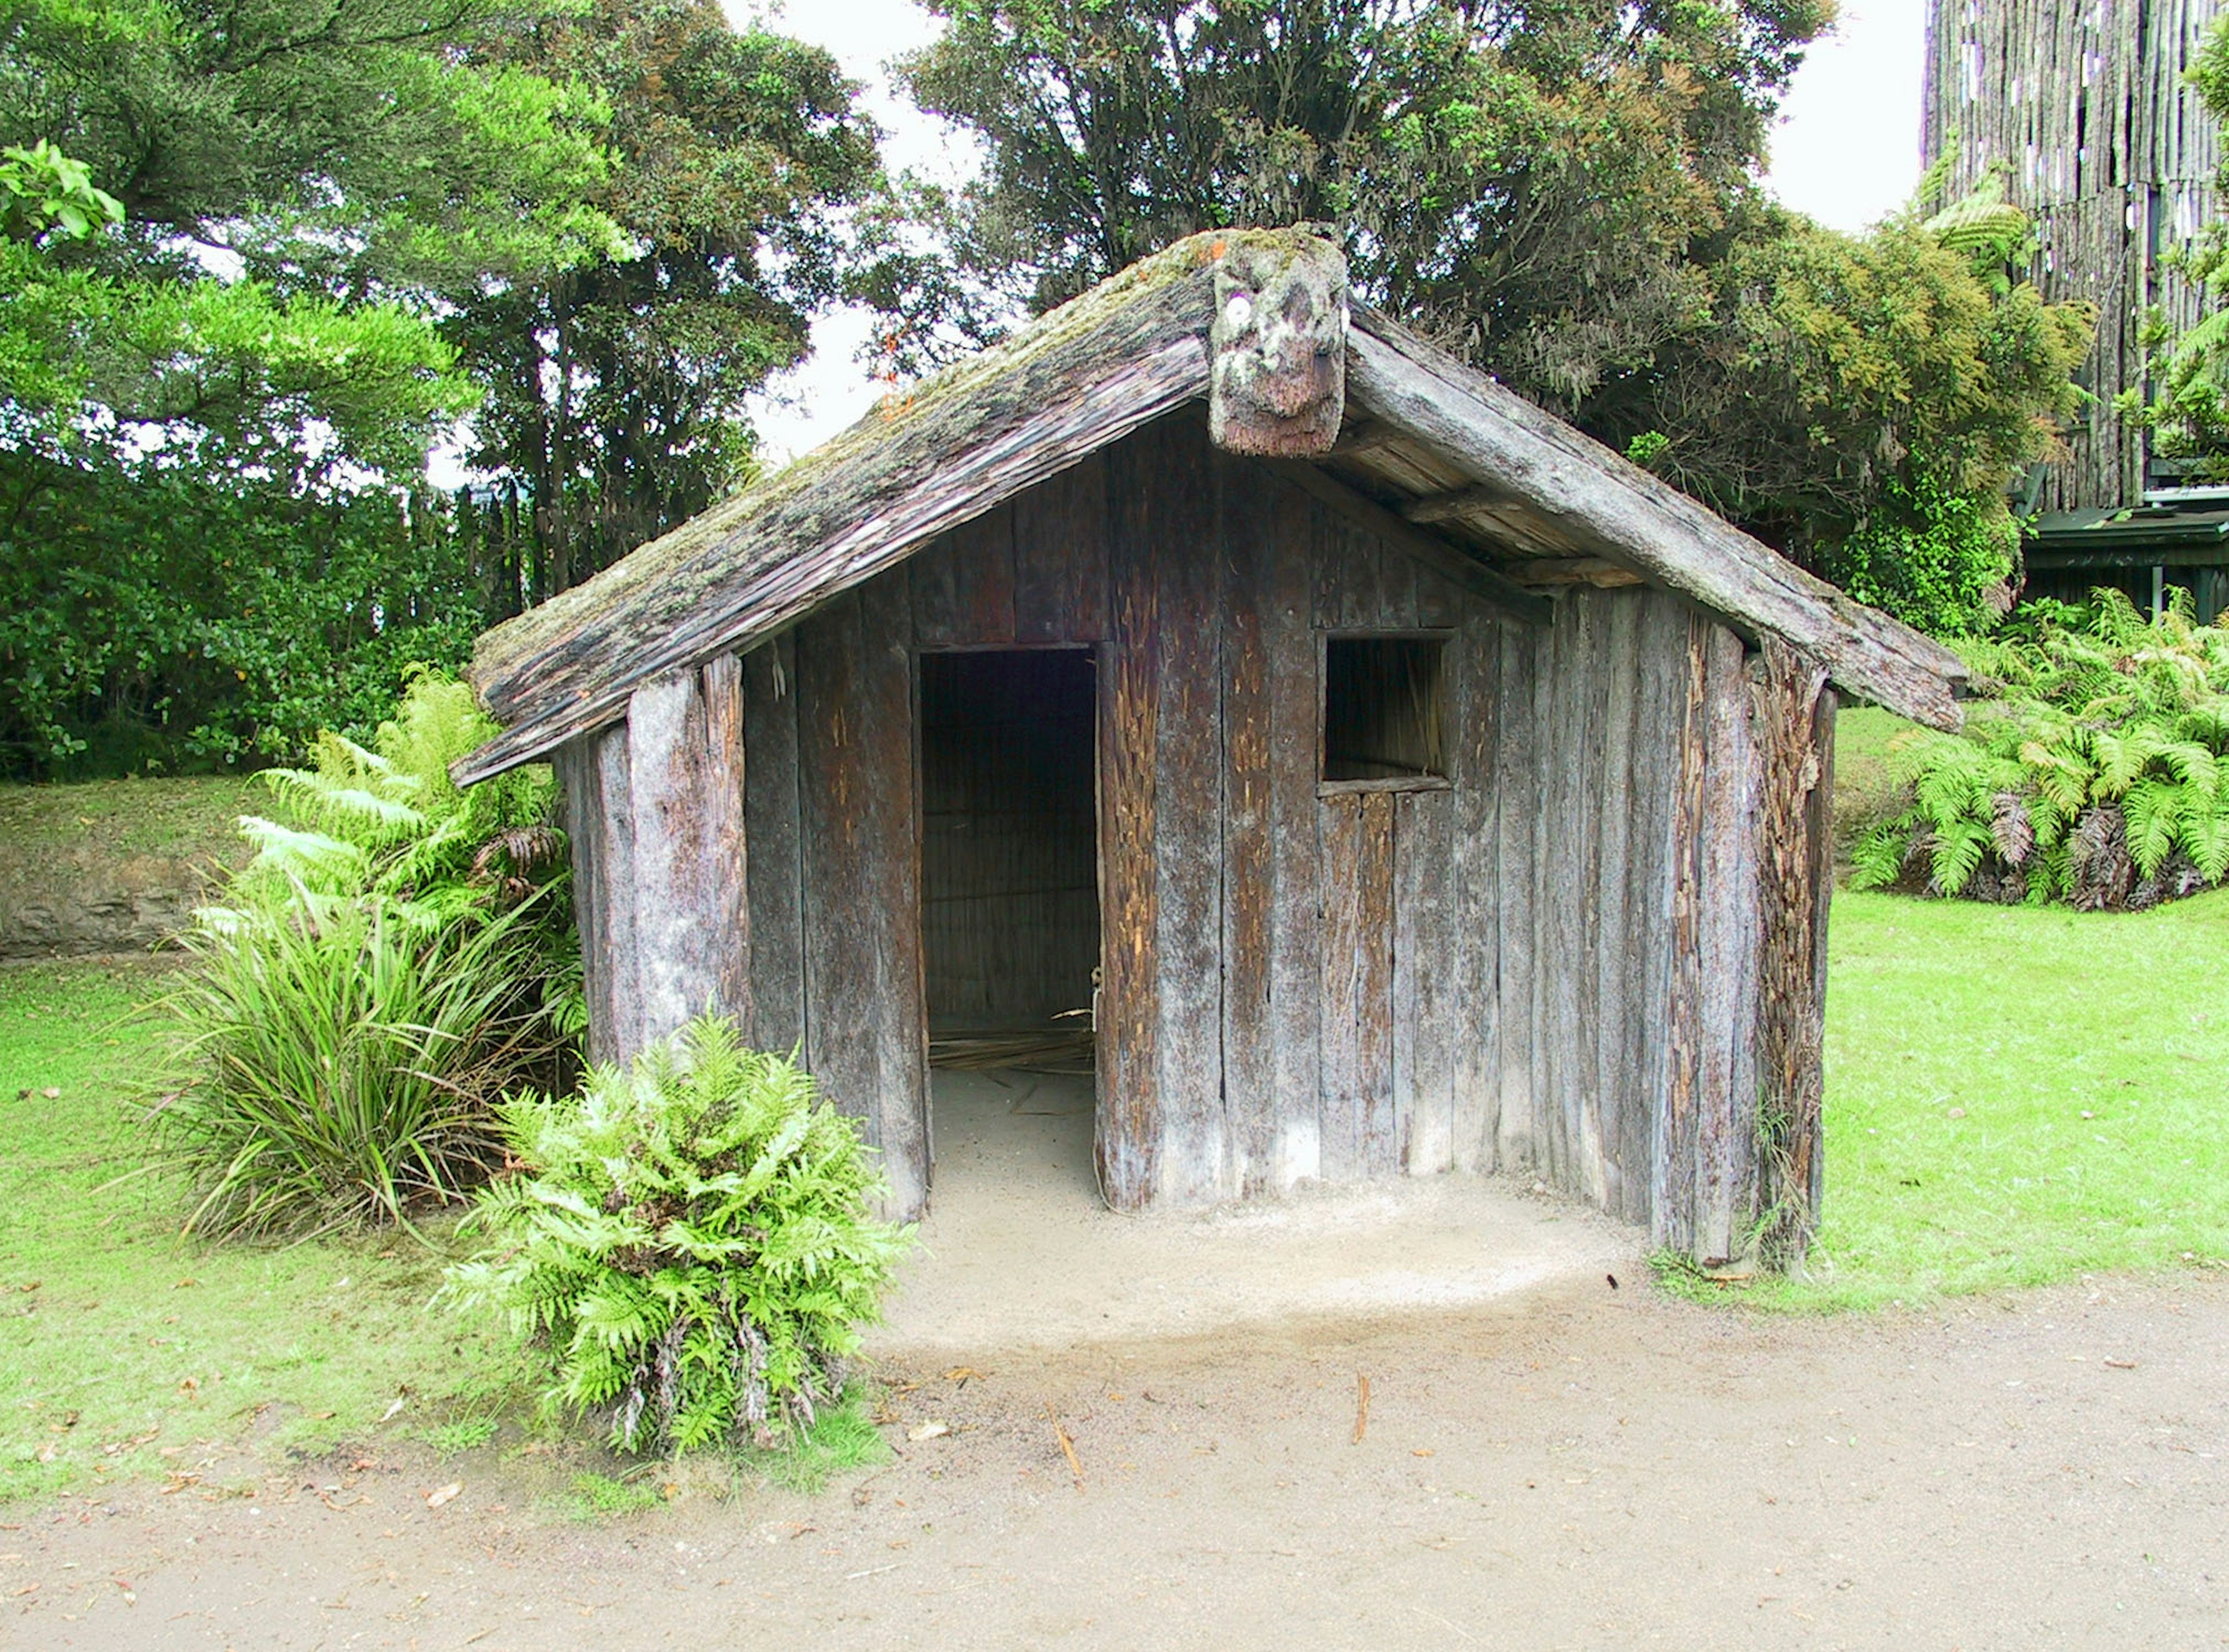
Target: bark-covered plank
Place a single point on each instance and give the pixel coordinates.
(600, 820)
(1426, 896)
(854, 753)
(1361, 1135)
(770, 823)
(1672, 1203)
(1517, 817)
(1188, 813)
(1470, 924)
(1249, 1073)
(1791, 702)
(1616, 804)
(692, 912)
(1726, 1010)
(1127, 1136)
(1294, 695)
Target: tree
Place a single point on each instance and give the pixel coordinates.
(616, 387)
(1565, 192)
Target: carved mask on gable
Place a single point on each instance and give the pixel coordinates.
(1279, 340)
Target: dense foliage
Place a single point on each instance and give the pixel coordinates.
(614, 386)
(2096, 777)
(256, 259)
(690, 1238)
(1567, 194)
(375, 979)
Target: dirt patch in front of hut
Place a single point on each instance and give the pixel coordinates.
(1564, 1465)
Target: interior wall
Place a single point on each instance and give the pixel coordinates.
(1009, 896)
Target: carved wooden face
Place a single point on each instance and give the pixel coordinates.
(1279, 379)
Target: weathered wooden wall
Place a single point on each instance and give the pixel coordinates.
(1552, 959)
(2086, 109)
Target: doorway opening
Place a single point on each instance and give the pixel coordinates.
(1010, 901)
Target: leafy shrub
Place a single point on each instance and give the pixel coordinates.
(374, 982)
(1935, 558)
(691, 1240)
(2097, 780)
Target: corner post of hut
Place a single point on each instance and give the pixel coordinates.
(654, 805)
(1793, 716)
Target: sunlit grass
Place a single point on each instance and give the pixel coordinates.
(2017, 1096)
(116, 1339)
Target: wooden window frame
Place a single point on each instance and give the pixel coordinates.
(1325, 635)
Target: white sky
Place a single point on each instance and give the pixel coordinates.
(1847, 152)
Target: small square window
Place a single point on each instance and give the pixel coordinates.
(1382, 709)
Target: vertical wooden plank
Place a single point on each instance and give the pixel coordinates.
(1662, 656)
(1469, 1022)
(1127, 1134)
(890, 747)
(1427, 898)
(770, 824)
(1672, 1218)
(1295, 693)
(962, 587)
(1516, 816)
(1249, 1076)
(1614, 802)
(1060, 557)
(1188, 817)
(863, 1028)
(691, 911)
(1725, 1018)
(1557, 910)
(1793, 827)
(593, 770)
(1361, 1132)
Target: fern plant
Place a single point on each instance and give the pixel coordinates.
(2099, 779)
(692, 1240)
(374, 982)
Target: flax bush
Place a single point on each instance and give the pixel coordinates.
(373, 982)
(690, 1241)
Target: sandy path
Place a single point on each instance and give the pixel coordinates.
(1602, 1471)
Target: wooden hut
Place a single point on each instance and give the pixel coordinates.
(1411, 783)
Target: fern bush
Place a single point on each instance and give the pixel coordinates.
(690, 1240)
(2097, 780)
(372, 984)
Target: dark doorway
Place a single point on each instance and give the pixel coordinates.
(1010, 860)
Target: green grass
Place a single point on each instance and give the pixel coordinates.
(179, 819)
(1865, 788)
(2019, 1096)
(115, 1333)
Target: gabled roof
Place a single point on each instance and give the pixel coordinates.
(1497, 494)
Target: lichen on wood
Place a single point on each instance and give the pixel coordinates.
(1278, 345)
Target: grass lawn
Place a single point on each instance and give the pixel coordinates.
(2016, 1097)
(118, 1342)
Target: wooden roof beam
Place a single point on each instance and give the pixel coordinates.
(1611, 508)
(1447, 507)
(1458, 566)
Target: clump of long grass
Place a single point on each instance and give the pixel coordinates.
(372, 984)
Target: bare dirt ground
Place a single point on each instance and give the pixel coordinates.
(1546, 1462)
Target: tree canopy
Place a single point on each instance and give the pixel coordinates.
(1566, 192)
